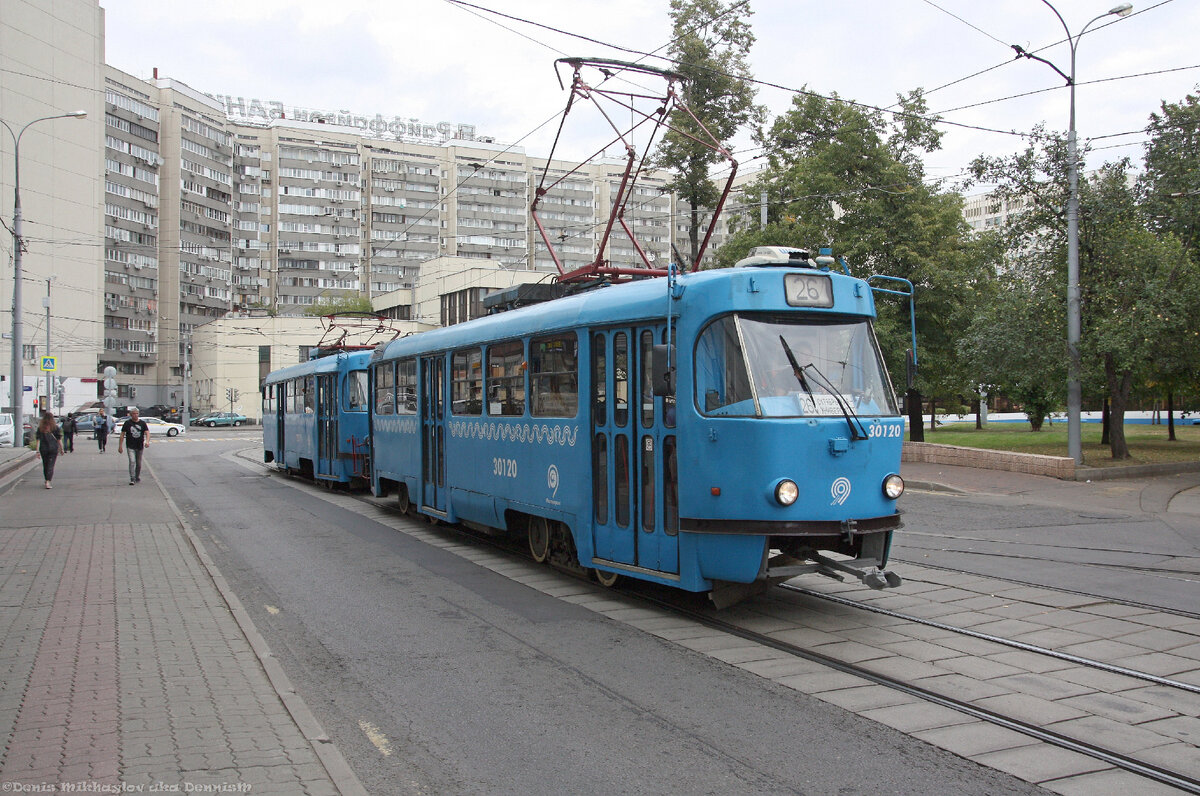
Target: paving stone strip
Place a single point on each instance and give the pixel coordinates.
(123, 665)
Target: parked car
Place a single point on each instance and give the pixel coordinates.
(7, 430)
(160, 427)
(86, 423)
(219, 419)
(169, 413)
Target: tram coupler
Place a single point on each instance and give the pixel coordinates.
(873, 577)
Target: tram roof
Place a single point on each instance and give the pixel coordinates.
(326, 364)
(641, 300)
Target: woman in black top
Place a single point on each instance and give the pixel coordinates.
(49, 437)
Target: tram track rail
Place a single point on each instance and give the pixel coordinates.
(676, 605)
(1007, 642)
(1117, 759)
(1114, 600)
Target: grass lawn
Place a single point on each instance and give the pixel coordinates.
(1147, 444)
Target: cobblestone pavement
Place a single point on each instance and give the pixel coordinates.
(124, 661)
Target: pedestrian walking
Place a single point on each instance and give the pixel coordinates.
(68, 430)
(104, 424)
(49, 437)
(135, 435)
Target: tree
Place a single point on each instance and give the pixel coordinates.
(1137, 290)
(334, 306)
(711, 43)
(1016, 345)
(1170, 186)
(851, 178)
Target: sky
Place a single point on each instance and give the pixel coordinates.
(438, 60)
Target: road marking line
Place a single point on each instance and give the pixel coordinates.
(376, 737)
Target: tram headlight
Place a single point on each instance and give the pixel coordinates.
(786, 492)
(893, 486)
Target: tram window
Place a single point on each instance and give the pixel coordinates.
(647, 389)
(621, 476)
(554, 378)
(310, 394)
(600, 478)
(621, 378)
(668, 400)
(406, 387)
(670, 487)
(721, 378)
(506, 379)
(466, 382)
(599, 381)
(356, 391)
(385, 393)
(648, 484)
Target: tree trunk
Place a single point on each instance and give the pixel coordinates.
(1120, 384)
(1105, 424)
(1170, 416)
(975, 405)
(933, 414)
(694, 236)
(916, 426)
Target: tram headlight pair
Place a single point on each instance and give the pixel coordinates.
(786, 492)
(893, 486)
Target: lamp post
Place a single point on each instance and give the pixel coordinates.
(16, 386)
(1074, 389)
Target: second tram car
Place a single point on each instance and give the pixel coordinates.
(315, 418)
(712, 432)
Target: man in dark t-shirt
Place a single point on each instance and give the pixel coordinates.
(136, 435)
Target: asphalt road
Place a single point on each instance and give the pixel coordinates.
(433, 675)
(1120, 549)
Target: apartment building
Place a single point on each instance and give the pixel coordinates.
(51, 59)
(169, 208)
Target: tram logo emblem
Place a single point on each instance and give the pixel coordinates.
(840, 491)
(552, 480)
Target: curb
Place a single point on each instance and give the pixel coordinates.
(1134, 471)
(339, 771)
(16, 463)
(933, 486)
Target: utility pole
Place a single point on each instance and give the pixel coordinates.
(16, 383)
(49, 376)
(187, 382)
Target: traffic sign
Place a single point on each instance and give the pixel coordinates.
(49, 364)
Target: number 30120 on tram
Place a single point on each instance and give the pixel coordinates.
(715, 431)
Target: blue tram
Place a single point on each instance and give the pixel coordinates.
(713, 432)
(316, 418)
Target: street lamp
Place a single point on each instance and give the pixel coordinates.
(16, 386)
(1074, 391)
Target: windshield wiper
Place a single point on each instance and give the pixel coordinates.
(857, 432)
(796, 368)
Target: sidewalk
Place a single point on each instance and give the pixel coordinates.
(126, 664)
(1153, 494)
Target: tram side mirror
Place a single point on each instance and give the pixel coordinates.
(910, 368)
(662, 371)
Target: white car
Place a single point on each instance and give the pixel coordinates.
(159, 427)
(7, 434)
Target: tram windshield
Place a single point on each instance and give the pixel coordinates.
(761, 365)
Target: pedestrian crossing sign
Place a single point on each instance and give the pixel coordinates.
(49, 364)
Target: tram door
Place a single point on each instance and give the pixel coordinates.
(327, 425)
(635, 513)
(433, 435)
(281, 389)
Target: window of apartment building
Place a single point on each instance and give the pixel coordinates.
(463, 305)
